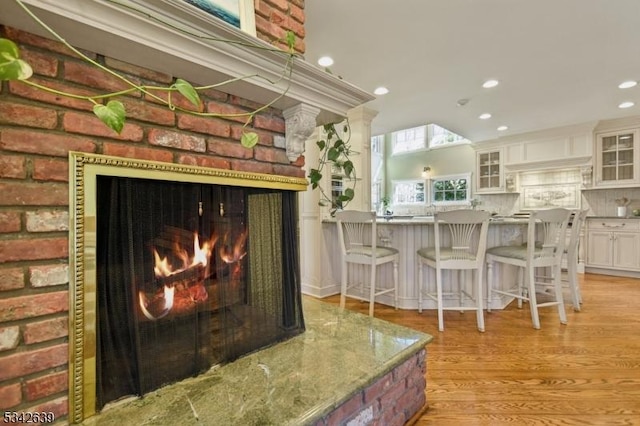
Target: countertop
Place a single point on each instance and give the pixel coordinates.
(612, 217)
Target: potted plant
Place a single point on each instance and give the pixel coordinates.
(386, 203)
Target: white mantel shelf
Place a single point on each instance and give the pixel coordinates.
(124, 30)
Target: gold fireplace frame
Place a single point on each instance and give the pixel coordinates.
(83, 171)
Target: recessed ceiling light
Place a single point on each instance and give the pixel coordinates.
(627, 84)
(325, 61)
(490, 83)
(381, 91)
(626, 105)
(484, 116)
(502, 128)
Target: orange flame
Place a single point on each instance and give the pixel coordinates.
(159, 305)
(237, 252)
(145, 304)
(201, 255)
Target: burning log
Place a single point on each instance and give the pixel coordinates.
(195, 273)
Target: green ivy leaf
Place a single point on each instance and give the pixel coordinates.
(321, 144)
(188, 91)
(11, 66)
(112, 114)
(249, 139)
(315, 176)
(339, 145)
(333, 154)
(347, 166)
(349, 194)
(291, 39)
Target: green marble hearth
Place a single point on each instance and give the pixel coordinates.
(295, 382)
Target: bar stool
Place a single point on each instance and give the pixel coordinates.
(571, 252)
(545, 252)
(358, 243)
(461, 248)
(577, 220)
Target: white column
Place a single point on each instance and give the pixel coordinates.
(312, 245)
(360, 119)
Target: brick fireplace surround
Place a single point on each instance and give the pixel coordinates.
(37, 131)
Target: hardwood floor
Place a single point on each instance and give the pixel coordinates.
(584, 373)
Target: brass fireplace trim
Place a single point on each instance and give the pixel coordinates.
(83, 171)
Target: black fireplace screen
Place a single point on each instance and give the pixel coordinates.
(189, 275)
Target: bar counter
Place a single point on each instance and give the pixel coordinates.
(408, 234)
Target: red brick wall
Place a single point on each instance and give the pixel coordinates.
(392, 400)
(37, 130)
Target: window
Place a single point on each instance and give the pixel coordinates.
(409, 140)
(409, 192)
(439, 137)
(451, 190)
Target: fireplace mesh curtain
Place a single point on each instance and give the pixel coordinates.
(247, 298)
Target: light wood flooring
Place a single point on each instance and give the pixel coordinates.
(584, 373)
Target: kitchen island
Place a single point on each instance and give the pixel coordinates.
(408, 234)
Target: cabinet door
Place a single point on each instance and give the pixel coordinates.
(626, 250)
(617, 158)
(599, 248)
(489, 172)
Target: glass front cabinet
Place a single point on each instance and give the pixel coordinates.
(490, 171)
(617, 158)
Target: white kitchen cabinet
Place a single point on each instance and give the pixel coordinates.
(490, 172)
(617, 160)
(613, 244)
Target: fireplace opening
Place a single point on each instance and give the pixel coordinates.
(189, 275)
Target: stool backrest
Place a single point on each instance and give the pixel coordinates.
(356, 229)
(546, 236)
(467, 236)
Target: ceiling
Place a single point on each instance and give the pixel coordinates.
(559, 62)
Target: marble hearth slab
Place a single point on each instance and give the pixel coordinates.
(295, 382)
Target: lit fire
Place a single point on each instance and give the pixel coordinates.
(201, 255)
(192, 271)
(237, 252)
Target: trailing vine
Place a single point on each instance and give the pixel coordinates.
(334, 154)
(334, 150)
(111, 111)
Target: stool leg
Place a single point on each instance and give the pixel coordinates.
(372, 291)
(395, 284)
(343, 284)
(522, 289)
(479, 310)
(530, 284)
(439, 297)
(573, 282)
(557, 281)
(420, 284)
(489, 285)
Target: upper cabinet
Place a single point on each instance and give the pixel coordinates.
(617, 158)
(490, 171)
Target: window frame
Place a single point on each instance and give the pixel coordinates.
(458, 176)
(416, 182)
(431, 130)
(424, 141)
